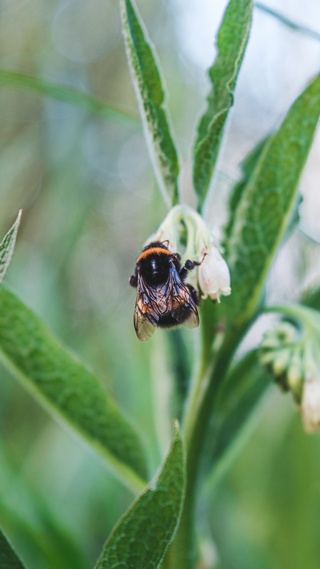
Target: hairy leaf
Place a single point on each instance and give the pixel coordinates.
(262, 216)
(266, 206)
(247, 167)
(142, 536)
(151, 97)
(8, 558)
(7, 247)
(231, 44)
(68, 389)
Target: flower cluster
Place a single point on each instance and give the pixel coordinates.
(292, 354)
(189, 235)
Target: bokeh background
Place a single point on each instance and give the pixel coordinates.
(89, 199)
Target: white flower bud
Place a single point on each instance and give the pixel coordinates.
(214, 276)
(310, 406)
(280, 361)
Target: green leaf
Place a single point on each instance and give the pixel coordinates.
(8, 558)
(68, 389)
(267, 205)
(64, 93)
(32, 521)
(143, 534)
(247, 167)
(151, 97)
(237, 403)
(231, 44)
(7, 247)
(311, 298)
(262, 216)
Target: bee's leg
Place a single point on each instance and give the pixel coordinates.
(194, 293)
(189, 265)
(133, 281)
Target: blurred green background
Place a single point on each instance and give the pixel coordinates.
(89, 201)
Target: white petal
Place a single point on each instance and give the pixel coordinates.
(310, 406)
(214, 276)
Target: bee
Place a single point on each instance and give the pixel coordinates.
(163, 298)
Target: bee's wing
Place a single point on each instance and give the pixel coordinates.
(145, 316)
(173, 297)
(193, 320)
(142, 325)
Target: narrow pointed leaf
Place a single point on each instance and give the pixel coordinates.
(68, 389)
(267, 205)
(8, 558)
(143, 534)
(151, 97)
(7, 247)
(263, 213)
(65, 93)
(32, 521)
(231, 44)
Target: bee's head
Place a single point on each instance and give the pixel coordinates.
(158, 245)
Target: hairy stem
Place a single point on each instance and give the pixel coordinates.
(182, 552)
(218, 345)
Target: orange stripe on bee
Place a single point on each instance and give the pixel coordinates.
(152, 251)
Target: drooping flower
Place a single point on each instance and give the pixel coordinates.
(214, 275)
(291, 352)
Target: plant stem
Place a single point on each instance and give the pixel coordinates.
(182, 552)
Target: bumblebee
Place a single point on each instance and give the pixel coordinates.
(163, 298)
